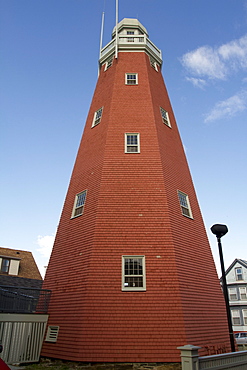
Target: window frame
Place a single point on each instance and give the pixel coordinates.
(82, 206)
(5, 268)
(233, 295)
(126, 288)
(153, 63)
(235, 314)
(165, 120)
(94, 123)
(130, 79)
(126, 145)
(183, 207)
(245, 316)
(108, 63)
(239, 274)
(243, 293)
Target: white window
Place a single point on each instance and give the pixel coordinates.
(132, 143)
(79, 204)
(184, 204)
(165, 117)
(232, 294)
(239, 273)
(235, 317)
(131, 78)
(243, 293)
(153, 63)
(245, 316)
(108, 63)
(133, 273)
(5, 265)
(52, 334)
(97, 117)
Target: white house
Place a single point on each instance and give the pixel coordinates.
(236, 278)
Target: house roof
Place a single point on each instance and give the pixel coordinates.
(28, 268)
(237, 260)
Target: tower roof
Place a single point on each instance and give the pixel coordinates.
(129, 23)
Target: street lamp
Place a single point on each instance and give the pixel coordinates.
(219, 231)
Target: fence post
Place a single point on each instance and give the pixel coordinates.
(189, 357)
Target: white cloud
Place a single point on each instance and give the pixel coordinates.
(45, 244)
(218, 62)
(198, 82)
(204, 61)
(228, 107)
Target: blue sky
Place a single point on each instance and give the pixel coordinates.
(49, 59)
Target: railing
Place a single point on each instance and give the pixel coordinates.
(191, 361)
(127, 41)
(24, 300)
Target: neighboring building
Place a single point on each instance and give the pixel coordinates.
(23, 307)
(131, 272)
(236, 278)
(18, 268)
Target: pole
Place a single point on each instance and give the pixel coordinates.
(225, 291)
(116, 45)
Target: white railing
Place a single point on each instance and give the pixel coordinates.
(191, 361)
(132, 41)
(22, 336)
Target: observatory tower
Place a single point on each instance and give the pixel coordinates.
(131, 271)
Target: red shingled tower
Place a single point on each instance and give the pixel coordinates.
(131, 272)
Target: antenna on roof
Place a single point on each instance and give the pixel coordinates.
(101, 33)
(116, 45)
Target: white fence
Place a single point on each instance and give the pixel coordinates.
(191, 361)
(22, 336)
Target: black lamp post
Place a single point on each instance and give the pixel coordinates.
(219, 231)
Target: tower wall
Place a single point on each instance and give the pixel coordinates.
(132, 209)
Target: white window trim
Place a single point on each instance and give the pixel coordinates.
(237, 274)
(131, 73)
(236, 316)
(75, 202)
(188, 204)
(165, 121)
(108, 63)
(138, 142)
(94, 117)
(233, 296)
(153, 64)
(135, 289)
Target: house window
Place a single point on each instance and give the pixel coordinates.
(79, 204)
(232, 294)
(5, 265)
(132, 143)
(165, 117)
(52, 334)
(235, 317)
(108, 63)
(130, 32)
(239, 273)
(245, 316)
(131, 79)
(243, 293)
(97, 117)
(153, 63)
(133, 273)
(184, 204)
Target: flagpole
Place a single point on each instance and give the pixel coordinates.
(101, 33)
(116, 46)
